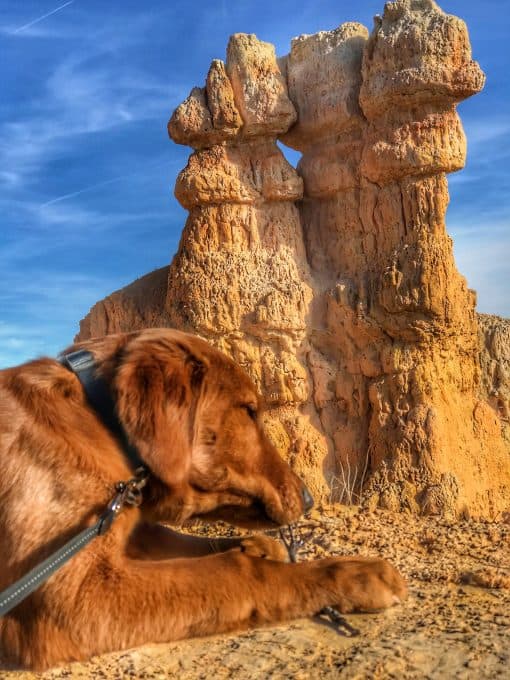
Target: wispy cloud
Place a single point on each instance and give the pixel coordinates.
(106, 94)
(17, 342)
(91, 89)
(71, 227)
(481, 131)
(78, 102)
(41, 18)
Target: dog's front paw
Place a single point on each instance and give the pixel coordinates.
(263, 546)
(362, 584)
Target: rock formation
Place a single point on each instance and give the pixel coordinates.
(139, 305)
(494, 346)
(335, 286)
(240, 278)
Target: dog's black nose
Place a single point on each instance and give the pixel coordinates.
(307, 499)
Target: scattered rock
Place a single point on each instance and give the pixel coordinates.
(442, 631)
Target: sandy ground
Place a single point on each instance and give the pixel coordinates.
(455, 624)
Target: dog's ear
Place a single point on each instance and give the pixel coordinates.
(158, 386)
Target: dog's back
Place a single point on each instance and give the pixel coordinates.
(48, 444)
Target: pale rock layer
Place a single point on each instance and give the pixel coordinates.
(335, 286)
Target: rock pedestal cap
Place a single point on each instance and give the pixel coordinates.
(324, 78)
(417, 54)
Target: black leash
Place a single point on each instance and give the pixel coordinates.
(127, 493)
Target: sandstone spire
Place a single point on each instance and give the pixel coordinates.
(240, 277)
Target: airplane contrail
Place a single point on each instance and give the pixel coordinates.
(91, 187)
(82, 191)
(44, 16)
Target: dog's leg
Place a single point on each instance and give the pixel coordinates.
(129, 603)
(157, 542)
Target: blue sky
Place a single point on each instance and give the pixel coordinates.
(87, 170)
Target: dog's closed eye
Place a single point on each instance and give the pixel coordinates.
(251, 410)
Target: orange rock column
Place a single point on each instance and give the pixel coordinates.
(324, 78)
(434, 443)
(393, 330)
(240, 278)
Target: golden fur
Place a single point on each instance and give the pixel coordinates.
(195, 419)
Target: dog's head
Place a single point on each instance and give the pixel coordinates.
(195, 418)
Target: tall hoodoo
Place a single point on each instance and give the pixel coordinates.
(324, 76)
(240, 278)
(416, 66)
(335, 286)
(393, 321)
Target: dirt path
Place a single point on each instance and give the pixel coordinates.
(448, 628)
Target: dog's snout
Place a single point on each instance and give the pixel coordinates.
(307, 499)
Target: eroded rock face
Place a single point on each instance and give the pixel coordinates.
(494, 347)
(392, 320)
(335, 286)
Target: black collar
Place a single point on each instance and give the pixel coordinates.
(82, 364)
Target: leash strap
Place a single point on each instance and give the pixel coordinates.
(128, 493)
(328, 615)
(13, 595)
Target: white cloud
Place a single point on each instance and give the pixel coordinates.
(78, 102)
(143, 171)
(18, 343)
(9, 179)
(46, 305)
(67, 226)
(100, 97)
(480, 131)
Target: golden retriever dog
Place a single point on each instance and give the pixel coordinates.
(194, 417)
